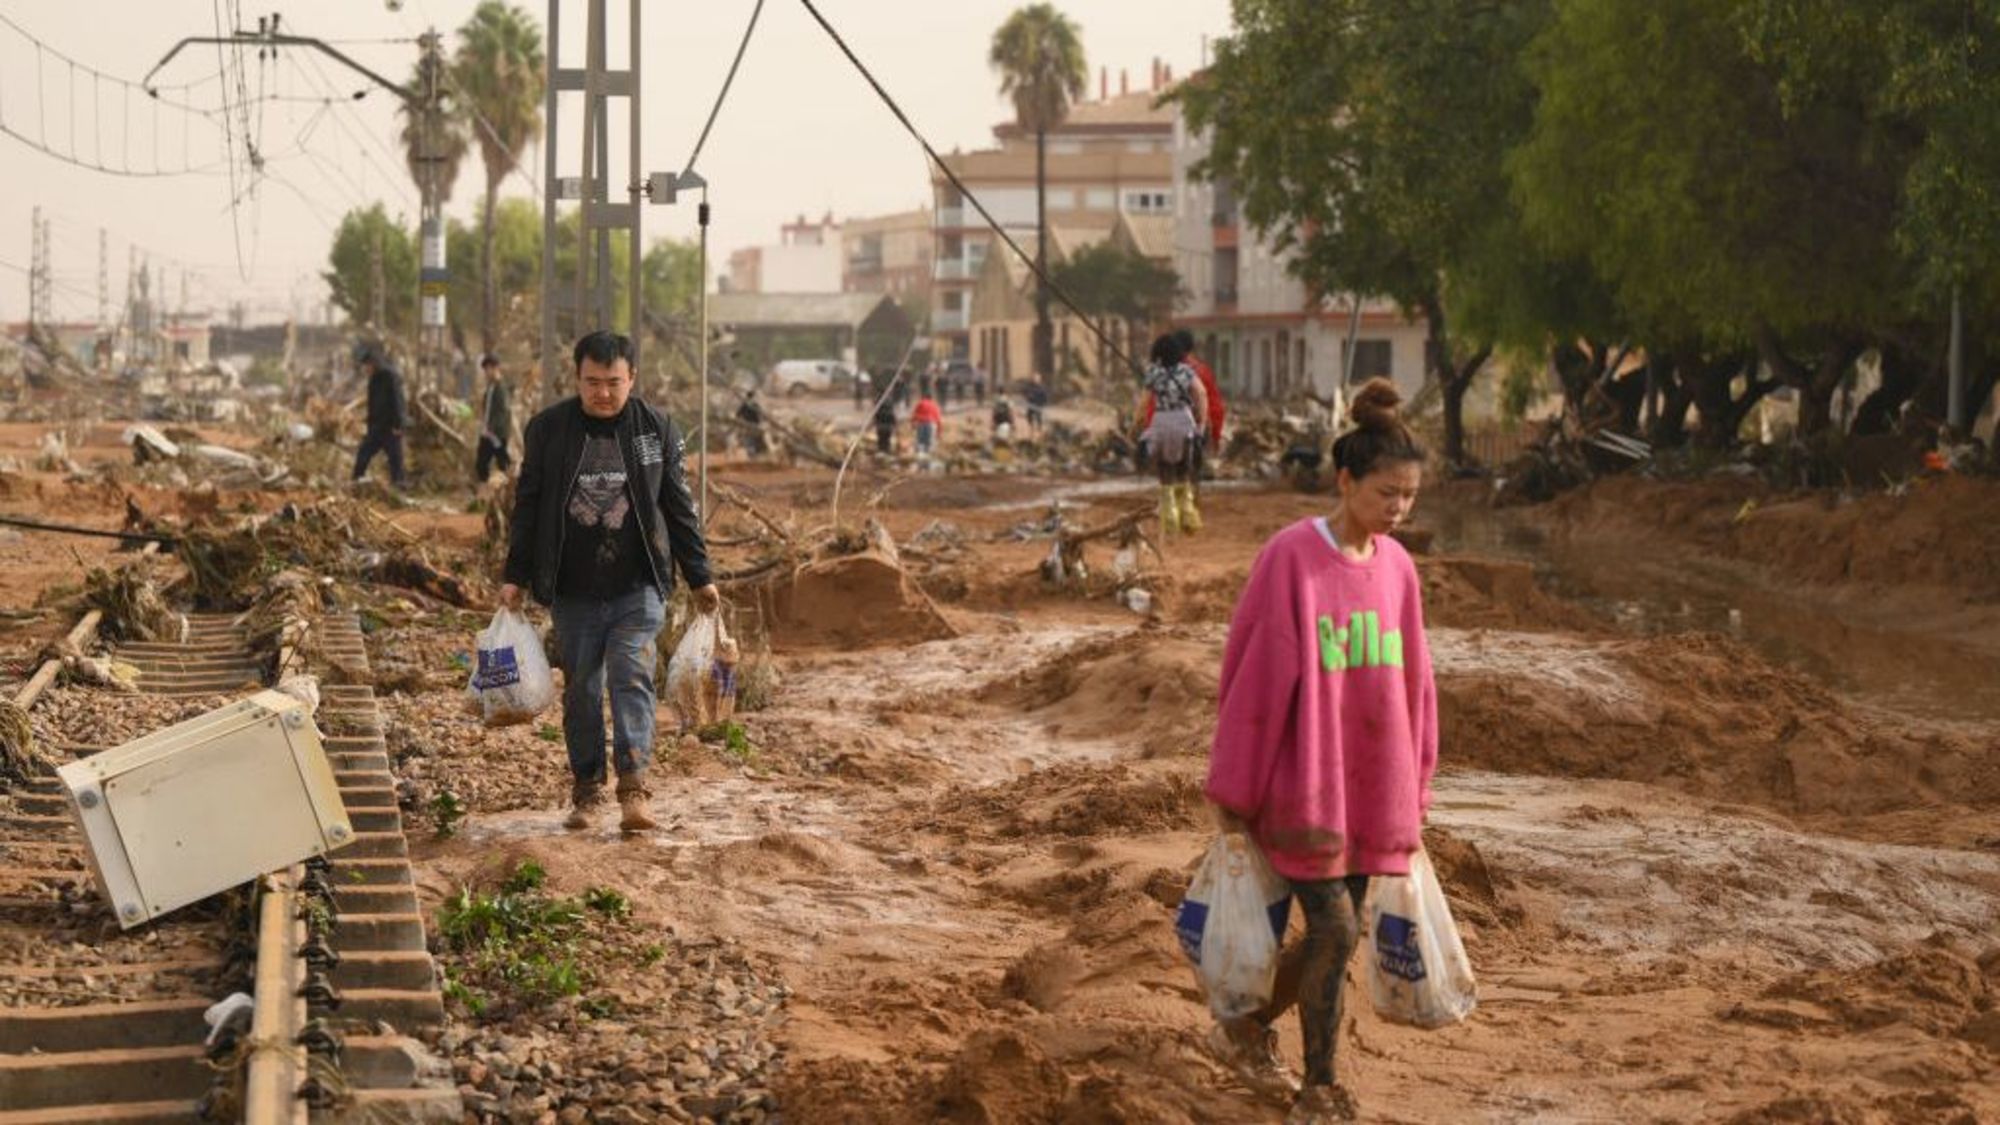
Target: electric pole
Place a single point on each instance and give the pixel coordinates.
(432, 277)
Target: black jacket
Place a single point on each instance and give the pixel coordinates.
(552, 447)
(386, 409)
(499, 413)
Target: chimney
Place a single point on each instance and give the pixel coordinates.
(1124, 81)
(1103, 83)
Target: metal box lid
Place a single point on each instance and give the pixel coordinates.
(206, 804)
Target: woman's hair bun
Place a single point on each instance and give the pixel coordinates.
(1376, 406)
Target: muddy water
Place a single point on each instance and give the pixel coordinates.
(1854, 648)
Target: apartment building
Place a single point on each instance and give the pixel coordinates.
(1113, 157)
(1265, 334)
(805, 259)
(887, 254)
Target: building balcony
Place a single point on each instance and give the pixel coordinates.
(950, 217)
(949, 320)
(953, 269)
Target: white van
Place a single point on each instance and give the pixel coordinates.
(795, 377)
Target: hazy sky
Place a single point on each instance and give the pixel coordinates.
(801, 132)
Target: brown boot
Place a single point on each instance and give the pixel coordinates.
(584, 796)
(632, 796)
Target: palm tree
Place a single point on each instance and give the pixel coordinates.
(434, 141)
(499, 73)
(1040, 60)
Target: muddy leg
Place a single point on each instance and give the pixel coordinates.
(1332, 908)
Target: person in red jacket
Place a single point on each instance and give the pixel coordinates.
(1216, 410)
(929, 421)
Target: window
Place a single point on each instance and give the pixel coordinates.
(1148, 202)
(976, 253)
(954, 300)
(1299, 362)
(1284, 362)
(1371, 358)
(954, 246)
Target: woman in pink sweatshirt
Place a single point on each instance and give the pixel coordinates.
(1326, 737)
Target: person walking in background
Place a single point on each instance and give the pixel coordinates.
(1326, 737)
(602, 519)
(1003, 420)
(929, 423)
(388, 413)
(885, 428)
(1217, 411)
(750, 413)
(496, 422)
(1172, 398)
(1037, 398)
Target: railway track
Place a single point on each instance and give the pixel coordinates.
(103, 1025)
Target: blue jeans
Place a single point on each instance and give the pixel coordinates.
(610, 642)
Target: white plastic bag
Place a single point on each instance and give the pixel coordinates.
(511, 682)
(1418, 972)
(1230, 923)
(701, 677)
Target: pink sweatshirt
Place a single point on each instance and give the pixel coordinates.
(1326, 737)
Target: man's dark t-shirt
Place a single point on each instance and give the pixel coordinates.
(602, 555)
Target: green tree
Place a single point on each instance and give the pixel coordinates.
(499, 70)
(351, 274)
(1112, 281)
(433, 132)
(1038, 54)
(517, 260)
(1368, 139)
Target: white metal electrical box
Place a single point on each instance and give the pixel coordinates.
(207, 804)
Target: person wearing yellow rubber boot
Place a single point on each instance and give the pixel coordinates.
(1174, 399)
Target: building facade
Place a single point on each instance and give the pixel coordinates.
(887, 254)
(1265, 334)
(805, 259)
(1112, 157)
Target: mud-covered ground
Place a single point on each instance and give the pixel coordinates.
(1719, 817)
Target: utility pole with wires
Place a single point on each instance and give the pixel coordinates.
(377, 299)
(433, 276)
(38, 250)
(585, 301)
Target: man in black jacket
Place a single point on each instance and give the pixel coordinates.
(496, 420)
(602, 517)
(387, 414)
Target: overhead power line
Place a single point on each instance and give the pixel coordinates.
(727, 81)
(1041, 275)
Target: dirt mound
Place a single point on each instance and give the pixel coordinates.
(1474, 593)
(1001, 1076)
(1155, 688)
(853, 601)
(1928, 987)
(1699, 713)
(1076, 801)
(1944, 532)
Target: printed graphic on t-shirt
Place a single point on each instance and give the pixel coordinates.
(599, 499)
(1360, 643)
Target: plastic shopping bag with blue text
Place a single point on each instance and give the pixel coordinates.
(1230, 923)
(1418, 972)
(511, 681)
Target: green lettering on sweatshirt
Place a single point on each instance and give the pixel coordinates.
(1360, 643)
